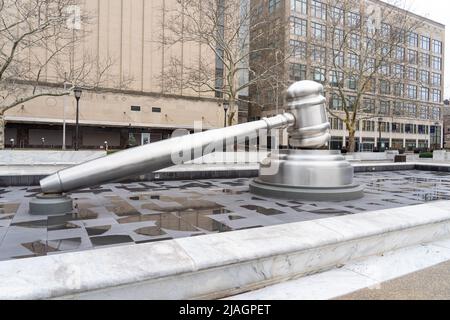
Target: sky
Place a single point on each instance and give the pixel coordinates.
(438, 10)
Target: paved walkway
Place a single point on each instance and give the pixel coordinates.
(430, 284)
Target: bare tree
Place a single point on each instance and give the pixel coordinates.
(38, 40)
(365, 56)
(224, 28)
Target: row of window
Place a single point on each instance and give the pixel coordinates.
(387, 127)
(298, 72)
(388, 108)
(424, 43)
(319, 10)
(299, 27)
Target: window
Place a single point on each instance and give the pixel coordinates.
(424, 94)
(413, 39)
(355, 41)
(353, 61)
(384, 68)
(385, 87)
(385, 51)
(135, 108)
(422, 129)
(397, 128)
(299, 26)
(336, 78)
(369, 106)
(436, 95)
(353, 19)
(385, 108)
(385, 127)
(436, 63)
(398, 89)
(436, 79)
(300, 6)
(337, 15)
(156, 110)
(318, 74)
(273, 5)
(319, 54)
(219, 74)
(425, 43)
(424, 76)
(338, 36)
(398, 109)
(338, 57)
(411, 91)
(352, 83)
(412, 74)
(412, 56)
(370, 65)
(350, 101)
(436, 113)
(370, 45)
(385, 30)
(318, 9)
(336, 103)
(409, 128)
(319, 31)
(410, 110)
(370, 86)
(399, 53)
(298, 49)
(368, 126)
(425, 60)
(398, 71)
(336, 124)
(423, 113)
(297, 72)
(437, 47)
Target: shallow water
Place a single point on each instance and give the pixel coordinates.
(119, 214)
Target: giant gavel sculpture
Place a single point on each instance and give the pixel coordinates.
(302, 173)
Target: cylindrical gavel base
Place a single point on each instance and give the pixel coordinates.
(307, 175)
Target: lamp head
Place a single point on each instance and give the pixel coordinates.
(226, 105)
(77, 91)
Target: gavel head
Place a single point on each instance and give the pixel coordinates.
(306, 101)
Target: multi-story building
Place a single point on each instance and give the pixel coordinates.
(135, 105)
(407, 112)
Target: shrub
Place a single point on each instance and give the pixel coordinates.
(426, 155)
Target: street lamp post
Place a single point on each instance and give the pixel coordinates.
(226, 106)
(380, 121)
(77, 92)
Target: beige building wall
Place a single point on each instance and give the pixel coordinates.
(129, 33)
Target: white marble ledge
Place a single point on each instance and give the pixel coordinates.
(365, 273)
(73, 273)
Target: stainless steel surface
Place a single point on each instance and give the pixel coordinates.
(154, 156)
(316, 169)
(306, 102)
(51, 204)
(307, 175)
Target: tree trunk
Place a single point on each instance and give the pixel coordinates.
(352, 141)
(2, 131)
(231, 113)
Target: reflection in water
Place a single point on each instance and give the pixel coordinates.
(148, 212)
(9, 208)
(262, 210)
